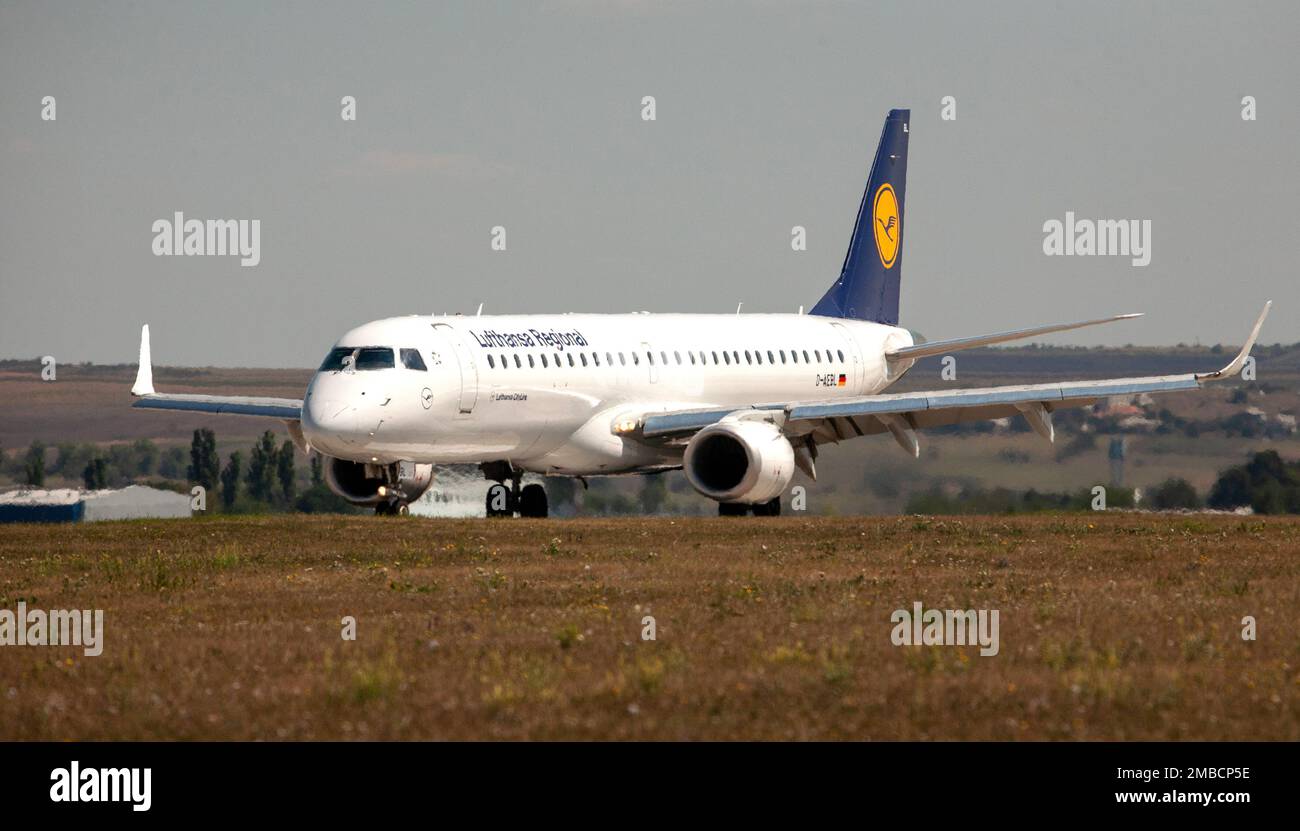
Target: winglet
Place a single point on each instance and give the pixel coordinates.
(1238, 362)
(144, 377)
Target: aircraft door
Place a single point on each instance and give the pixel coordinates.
(468, 370)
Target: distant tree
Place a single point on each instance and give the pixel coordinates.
(172, 463)
(1266, 483)
(65, 456)
(204, 463)
(34, 465)
(1246, 425)
(95, 475)
(73, 458)
(1270, 497)
(1174, 493)
(146, 457)
(284, 470)
(261, 468)
(317, 473)
(121, 463)
(230, 480)
(1231, 490)
(1266, 466)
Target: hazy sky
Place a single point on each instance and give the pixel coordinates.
(527, 115)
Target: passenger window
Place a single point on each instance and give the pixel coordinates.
(636, 359)
(748, 359)
(650, 357)
(518, 363)
(678, 356)
(818, 353)
(715, 358)
(544, 364)
(805, 357)
(622, 361)
(531, 365)
(571, 359)
(840, 352)
(491, 363)
(770, 359)
(691, 355)
(727, 358)
(782, 356)
(664, 355)
(595, 358)
(583, 356)
(374, 357)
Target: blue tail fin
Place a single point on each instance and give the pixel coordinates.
(869, 281)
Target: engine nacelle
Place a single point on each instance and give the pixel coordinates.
(739, 461)
(368, 484)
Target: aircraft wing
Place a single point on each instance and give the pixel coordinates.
(901, 414)
(288, 409)
(942, 347)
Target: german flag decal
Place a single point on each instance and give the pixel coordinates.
(841, 381)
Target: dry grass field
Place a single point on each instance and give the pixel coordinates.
(1115, 626)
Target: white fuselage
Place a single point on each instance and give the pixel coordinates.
(544, 392)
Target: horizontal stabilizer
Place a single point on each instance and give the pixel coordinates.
(941, 347)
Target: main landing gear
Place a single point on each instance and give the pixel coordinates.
(395, 507)
(769, 508)
(507, 500)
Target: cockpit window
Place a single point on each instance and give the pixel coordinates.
(411, 360)
(334, 360)
(374, 357)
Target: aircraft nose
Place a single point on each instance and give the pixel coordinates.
(331, 417)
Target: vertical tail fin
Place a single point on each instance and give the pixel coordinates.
(869, 280)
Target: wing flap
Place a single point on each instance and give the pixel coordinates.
(920, 403)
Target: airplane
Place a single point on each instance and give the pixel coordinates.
(739, 402)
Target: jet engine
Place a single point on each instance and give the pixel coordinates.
(371, 484)
(749, 462)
